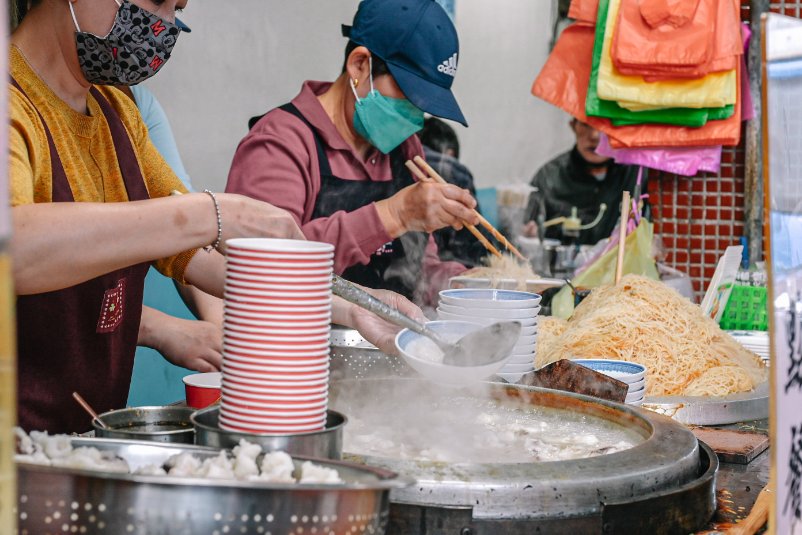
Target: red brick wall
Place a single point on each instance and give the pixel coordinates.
(699, 217)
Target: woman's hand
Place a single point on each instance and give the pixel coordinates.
(374, 329)
(243, 217)
(427, 207)
(195, 345)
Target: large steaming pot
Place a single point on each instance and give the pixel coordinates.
(543, 495)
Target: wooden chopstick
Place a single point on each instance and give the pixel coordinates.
(484, 222)
(420, 175)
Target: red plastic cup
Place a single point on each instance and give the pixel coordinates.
(202, 389)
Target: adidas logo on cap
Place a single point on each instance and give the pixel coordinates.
(449, 66)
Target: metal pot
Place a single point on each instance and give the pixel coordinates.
(158, 424)
(326, 444)
(53, 499)
(666, 459)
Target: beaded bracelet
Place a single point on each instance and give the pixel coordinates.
(216, 244)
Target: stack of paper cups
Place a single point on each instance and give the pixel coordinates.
(276, 335)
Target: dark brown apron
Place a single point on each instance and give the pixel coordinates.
(83, 338)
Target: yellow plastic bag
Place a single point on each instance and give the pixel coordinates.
(637, 259)
(633, 93)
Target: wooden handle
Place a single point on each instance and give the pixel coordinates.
(420, 175)
(82, 402)
(622, 237)
(758, 516)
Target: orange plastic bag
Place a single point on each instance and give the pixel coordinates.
(632, 92)
(583, 10)
(675, 13)
(726, 51)
(563, 82)
(675, 33)
(726, 132)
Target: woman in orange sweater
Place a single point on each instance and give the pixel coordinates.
(91, 205)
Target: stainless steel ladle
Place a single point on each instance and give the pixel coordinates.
(484, 346)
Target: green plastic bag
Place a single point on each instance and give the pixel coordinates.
(638, 259)
(597, 107)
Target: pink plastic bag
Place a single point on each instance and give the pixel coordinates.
(747, 106)
(686, 161)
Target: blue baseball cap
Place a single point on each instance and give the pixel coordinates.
(181, 26)
(419, 43)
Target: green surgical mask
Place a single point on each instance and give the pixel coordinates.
(383, 121)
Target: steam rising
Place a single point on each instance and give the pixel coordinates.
(410, 419)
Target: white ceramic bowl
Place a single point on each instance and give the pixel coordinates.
(637, 385)
(529, 322)
(437, 371)
(637, 395)
(511, 377)
(500, 314)
(518, 368)
(490, 298)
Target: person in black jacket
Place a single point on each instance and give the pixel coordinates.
(580, 178)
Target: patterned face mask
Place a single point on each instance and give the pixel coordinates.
(136, 47)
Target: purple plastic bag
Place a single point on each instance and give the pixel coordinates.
(686, 161)
(747, 106)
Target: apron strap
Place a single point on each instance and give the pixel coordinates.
(126, 155)
(323, 160)
(61, 191)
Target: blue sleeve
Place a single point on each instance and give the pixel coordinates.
(161, 135)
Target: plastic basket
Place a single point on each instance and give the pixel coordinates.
(746, 310)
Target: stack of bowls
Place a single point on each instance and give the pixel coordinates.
(276, 335)
(628, 372)
(490, 306)
(755, 341)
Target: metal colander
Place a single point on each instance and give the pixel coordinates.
(61, 500)
(354, 358)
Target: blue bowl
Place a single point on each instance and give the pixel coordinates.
(628, 372)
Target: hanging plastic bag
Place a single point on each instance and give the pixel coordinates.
(610, 109)
(583, 11)
(637, 259)
(726, 49)
(563, 82)
(658, 32)
(632, 92)
(685, 161)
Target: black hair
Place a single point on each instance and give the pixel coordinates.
(379, 66)
(18, 9)
(439, 136)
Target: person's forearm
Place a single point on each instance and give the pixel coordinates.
(58, 245)
(149, 327)
(207, 272)
(356, 235)
(341, 312)
(204, 306)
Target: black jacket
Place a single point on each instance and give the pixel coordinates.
(566, 181)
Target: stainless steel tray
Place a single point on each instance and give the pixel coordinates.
(352, 357)
(699, 410)
(83, 501)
